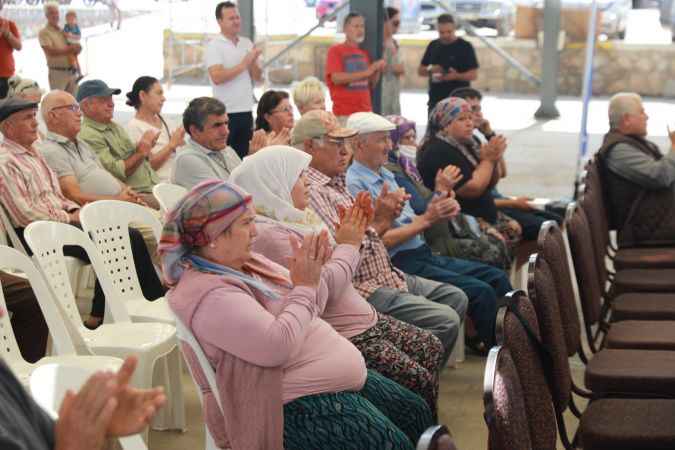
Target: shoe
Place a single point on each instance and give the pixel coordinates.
(476, 345)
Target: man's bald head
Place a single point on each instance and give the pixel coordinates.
(627, 114)
(53, 100)
(61, 113)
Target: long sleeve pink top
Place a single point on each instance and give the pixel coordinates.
(270, 333)
(344, 308)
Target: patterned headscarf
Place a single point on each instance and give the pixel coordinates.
(444, 113)
(403, 125)
(198, 219)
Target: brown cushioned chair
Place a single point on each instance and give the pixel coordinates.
(626, 334)
(623, 258)
(606, 423)
(632, 334)
(504, 406)
(639, 373)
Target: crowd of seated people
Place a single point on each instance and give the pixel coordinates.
(328, 273)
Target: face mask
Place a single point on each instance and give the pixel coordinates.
(409, 151)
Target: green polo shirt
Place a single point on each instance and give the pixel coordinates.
(112, 145)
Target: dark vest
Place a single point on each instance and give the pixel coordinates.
(641, 216)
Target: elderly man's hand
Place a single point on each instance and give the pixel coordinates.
(135, 407)
(106, 406)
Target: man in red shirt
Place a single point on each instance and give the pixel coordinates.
(9, 41)
(349, 73)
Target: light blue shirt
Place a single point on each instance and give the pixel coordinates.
(361, 178)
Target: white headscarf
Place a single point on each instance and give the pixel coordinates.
(269, 176)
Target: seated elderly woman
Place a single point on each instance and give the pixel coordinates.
(449, 141)
(274, 121)
(463, 236)
(286, 378)
(309, 95)
(404, 353)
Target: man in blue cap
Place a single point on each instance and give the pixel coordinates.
(111, 143)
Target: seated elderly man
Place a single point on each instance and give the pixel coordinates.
(206, 154)
(30, 191)
(430, 305)
(405, 239)
(81, 176)
(112, 144)
(638, 179)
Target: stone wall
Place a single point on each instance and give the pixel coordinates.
(646, 69)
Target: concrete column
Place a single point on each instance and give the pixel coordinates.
(550, 61)
(373, 12)
(246, 12)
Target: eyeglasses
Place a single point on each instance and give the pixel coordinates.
(74, 107)
(287, 109)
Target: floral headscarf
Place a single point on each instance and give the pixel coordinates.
(200, 217)
(444, 113)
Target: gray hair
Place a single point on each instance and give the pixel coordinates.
(198, 111)
(621, 104)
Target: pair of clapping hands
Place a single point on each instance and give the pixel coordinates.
(314, 250)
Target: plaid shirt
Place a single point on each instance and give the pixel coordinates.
(29, 189)
(375, 270)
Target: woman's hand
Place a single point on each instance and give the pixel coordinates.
(308, 258)
(177, 138)
(447, 179)
(258, 141)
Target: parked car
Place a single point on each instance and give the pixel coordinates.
(497, 14)
(324, 7)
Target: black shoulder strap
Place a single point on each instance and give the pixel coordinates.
(543, 353)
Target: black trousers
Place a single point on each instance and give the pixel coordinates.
(4, 87)
(531, 221)
(28, 323)
(241, 132)
(150, 284)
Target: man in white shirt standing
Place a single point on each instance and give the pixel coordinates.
(232, 64)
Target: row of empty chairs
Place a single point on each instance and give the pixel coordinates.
(628, 357)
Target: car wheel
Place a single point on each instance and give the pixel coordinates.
(621, 34)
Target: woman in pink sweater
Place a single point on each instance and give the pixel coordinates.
(286, 378)
(402, 352)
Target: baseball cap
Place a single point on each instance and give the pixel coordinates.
(95, 88)
(11, 105)
(368, 122)
(316, 124)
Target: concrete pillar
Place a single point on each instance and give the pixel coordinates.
(246, 12)
(550, 61)
(373, 12)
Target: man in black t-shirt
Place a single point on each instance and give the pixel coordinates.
(449, 62)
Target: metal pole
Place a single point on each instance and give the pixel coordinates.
(247, 19)
(373, 12)
(586, 93)
(549, 61)
(491, 45)
(299, 39)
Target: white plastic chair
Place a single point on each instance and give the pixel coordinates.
(76, 268)
(149, 341)
(168, 195)
(48, 386)
(63, 344)
(107, 222)
(186, 337)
